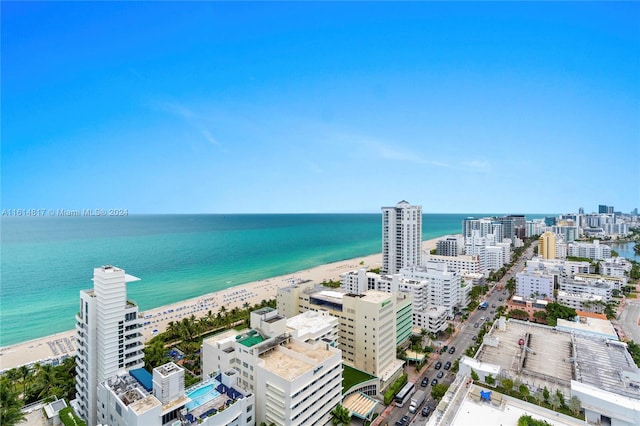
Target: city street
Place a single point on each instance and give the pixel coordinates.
(628, 319)
(461, 340)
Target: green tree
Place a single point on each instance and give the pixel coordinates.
(560, 396)
(438, 391)
(155, 354)
(555, 402)
(341, 416)
(527, 420)
(538, 396)
(47, 382)
(540, 315)
(10, 405)
(507, 384)
(545, 394)
(575, 405)
(524, 391)
(25, 373)
(474, 375)
(490, 380)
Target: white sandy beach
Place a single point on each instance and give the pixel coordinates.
(156, 320)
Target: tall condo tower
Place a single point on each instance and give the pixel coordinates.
(109, 337)
(547, 245)
(401, 237)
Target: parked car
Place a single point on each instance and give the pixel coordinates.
(444, 349)
(493, 306)
(425, 382)
(447, 365)
(474, 338)
(500, 299)
(434, 382)
(438, 365)
(440, 374)
(452, 349)
(426, 411)
(476, 325)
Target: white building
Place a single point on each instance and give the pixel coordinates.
(593, 250)
(139, 399)
(297, 383)
(615, 267)
(444, 285)
(109, 337)
(598, 288)
(461, 263)
(534, 282)
(314, 327)
(581, 301)
(401, 237)
(450, 245)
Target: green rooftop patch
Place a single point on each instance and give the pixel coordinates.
(250, 341)
(352, 377)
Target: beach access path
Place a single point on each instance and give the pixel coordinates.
(155, 321)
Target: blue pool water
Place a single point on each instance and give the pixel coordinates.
(202, 395)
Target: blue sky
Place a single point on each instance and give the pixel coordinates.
(210, 107)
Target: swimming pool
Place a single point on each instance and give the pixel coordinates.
(202, 395)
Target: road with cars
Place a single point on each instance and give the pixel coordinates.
(465, 337)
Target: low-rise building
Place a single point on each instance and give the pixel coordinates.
(137, 398)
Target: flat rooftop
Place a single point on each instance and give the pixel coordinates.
(600, 363)
(311, 322)
(483, 413)
(597, 326)
(553, 358)
(282, 360)
(542, 361)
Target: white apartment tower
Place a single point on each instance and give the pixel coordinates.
(109, 337)
(401, 237)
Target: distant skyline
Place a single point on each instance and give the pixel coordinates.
(321, 107)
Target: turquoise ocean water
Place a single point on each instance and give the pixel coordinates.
(46, 261)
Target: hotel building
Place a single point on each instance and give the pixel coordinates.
(547, 245)
(368, 324)
(138, 398)
(401, 237)
(298, 383)
(109, 337)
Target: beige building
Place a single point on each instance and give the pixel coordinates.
(367, 325)
(547, 245)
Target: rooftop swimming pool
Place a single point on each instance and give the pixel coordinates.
(202, 395)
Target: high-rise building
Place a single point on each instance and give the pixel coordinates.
(401, 237)
(451, 245)
(109, 336)
(547, 245)
(369, 323)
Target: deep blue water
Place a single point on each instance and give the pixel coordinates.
(46, 261)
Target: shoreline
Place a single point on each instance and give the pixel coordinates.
(61, 345)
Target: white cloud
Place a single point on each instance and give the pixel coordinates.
(192, 119)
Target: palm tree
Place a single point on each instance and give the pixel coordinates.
(539, 396)
(341, 416)
(154, 354)
(25, 373)
(47, 378)
(10, 405)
